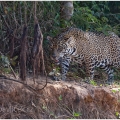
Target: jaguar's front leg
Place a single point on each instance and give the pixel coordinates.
(65, 62)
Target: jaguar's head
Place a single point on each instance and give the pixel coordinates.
(61, 47)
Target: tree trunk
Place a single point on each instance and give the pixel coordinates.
(66, 10)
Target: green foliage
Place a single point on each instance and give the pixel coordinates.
(60, 97)
(92, 15)
(95, 16)
(13, 60)
(117, 114)
(92, 82)
(76, 114)
(114, 91)
(83, 18)
(4, 61)
(4, 64)
(44, 107)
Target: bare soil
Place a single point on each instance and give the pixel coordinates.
(58, 100)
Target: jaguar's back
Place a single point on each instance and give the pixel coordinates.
(100, 47)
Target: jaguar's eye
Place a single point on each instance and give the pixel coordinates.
(60, 49)
(65, 39)
(51, 46)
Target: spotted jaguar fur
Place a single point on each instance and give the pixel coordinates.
(94, 49)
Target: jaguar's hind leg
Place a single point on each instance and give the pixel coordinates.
(110, 72)
(106, 67)
(90, 67)
(89, 75)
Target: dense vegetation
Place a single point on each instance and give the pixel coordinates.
(99, 16)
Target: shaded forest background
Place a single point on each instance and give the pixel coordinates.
(100, 16)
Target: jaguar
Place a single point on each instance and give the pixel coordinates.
(91, 48)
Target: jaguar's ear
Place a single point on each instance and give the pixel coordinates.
(49, 38)
(71, 40)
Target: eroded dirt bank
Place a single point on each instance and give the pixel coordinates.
(59, 100)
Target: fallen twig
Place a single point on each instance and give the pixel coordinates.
(26, 85)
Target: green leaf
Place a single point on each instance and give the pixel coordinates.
(14, 58)
(92, 82)
(60, 97)
(44, 107)
(117, 113)
(104, 19)
(4, 60)
(114, 91)
(76, 114)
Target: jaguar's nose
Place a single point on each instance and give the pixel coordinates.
(55, 58)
